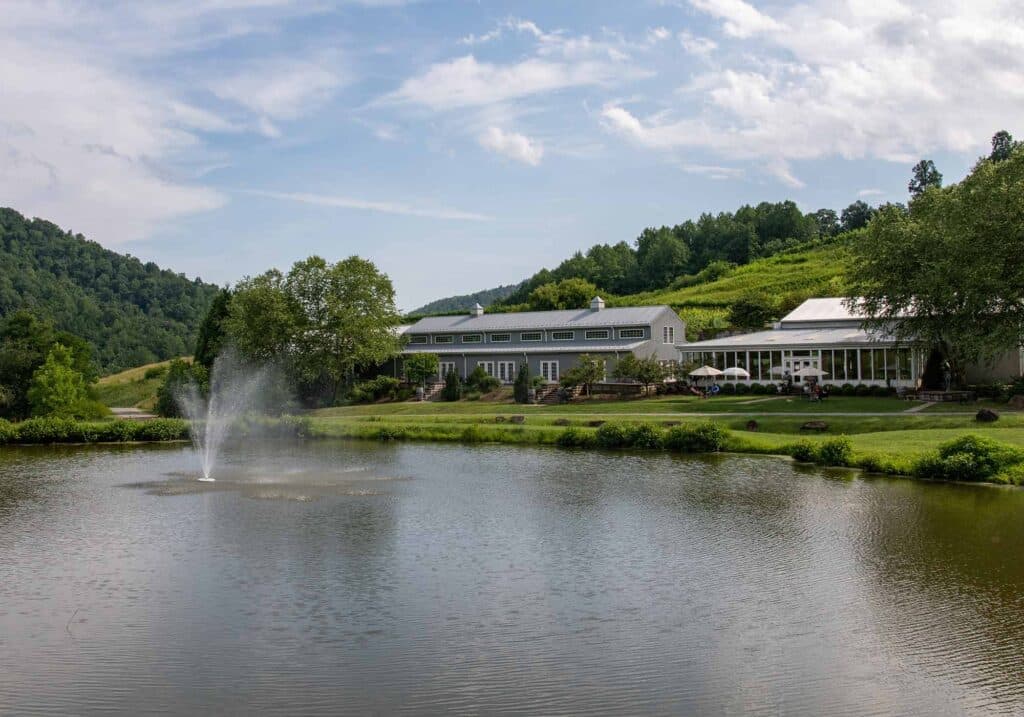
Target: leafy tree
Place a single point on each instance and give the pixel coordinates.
(56, 388)
(212, 331)
(925, 175)
(646, 371)
(130, 312)
(661, 256)
(322, 321)
(565, 294)
(827, 221)
(969, 303)
(420, 367)
(751, 311)
(856, 215)
(1002, 146)
(521, 388)
(479, 380)
(587, 371)
(452, 390)
(181, 376)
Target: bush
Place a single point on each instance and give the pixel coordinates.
(758, 388)
(862, 390)
(7, 431)
(881, 391)
(644, 435)
(472, 434)
(835, 452)
(118, 431)
(847, 389)
(452, 390)
(611, 435)
(391, 433)
(375, 389)
(482, 381)
(161, 429)
(90, 409)
(706, 437)
(574, 438)
(742, 389)
(1013, 475)
(803, 451)
(521, 388)
(155, 371)
(969, 458)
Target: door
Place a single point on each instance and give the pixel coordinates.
(445, 368)
(507, 371)
(549, 371)
(488, 366)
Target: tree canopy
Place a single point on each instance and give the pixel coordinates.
(949, 272)
(132, 313)
(57, 389)
(322, 322)
(925, 175)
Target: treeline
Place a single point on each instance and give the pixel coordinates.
(132, 313)
(662, 256)
(464, 302)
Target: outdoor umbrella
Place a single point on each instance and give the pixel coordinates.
(736, 372)
(706, 371)
(778, 370)
(810, 372)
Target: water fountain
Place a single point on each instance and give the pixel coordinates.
(234, 390)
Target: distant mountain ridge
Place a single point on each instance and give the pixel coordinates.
(132, 313)
(464, 302)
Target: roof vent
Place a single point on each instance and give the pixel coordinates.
(477, 310)
(596, 304)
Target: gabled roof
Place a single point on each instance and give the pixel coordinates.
(823, 310)
(792, 338)
(526, 320)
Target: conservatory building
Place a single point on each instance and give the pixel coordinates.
(822, 334)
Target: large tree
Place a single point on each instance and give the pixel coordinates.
(212, 331)
(565, 294)
(924, 176)
(321, 321)
(1002, 146)
(57, 389)
(856, 216)
(949, 274)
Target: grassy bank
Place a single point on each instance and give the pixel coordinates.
(134, 388)
(60, 430)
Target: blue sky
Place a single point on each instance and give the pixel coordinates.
(461, 145)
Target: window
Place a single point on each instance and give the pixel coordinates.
(472, 338)
(444, 368)
(549, 371)
(563, 335)
(597, 334)
(420, 339)
(507, 371)
(668, 335)
(444, 339)
(631, 333)
(500, 338)
(531, 336)
(488, 367)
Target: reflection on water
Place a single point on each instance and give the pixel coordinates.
(352, 578)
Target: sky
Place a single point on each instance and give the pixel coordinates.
(461, 145)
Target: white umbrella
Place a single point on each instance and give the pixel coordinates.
(736, 372)
(706, 371)
(778, 371)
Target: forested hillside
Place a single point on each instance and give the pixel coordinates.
(132, 313)
(465, 302)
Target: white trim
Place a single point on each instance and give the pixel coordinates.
(605, 334)
(479, 339)
(571, 337)
(549, 371)
(632, 333)
(524, 334)
(449, 339)
(495, 340)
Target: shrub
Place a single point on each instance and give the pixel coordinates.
(521, 388)
(644, 435)
(881, 391)
(45, 430)
(161, 429)
(742, 389)
(968, 458)
(482, 381)
(835, 452)
(118, 431)
(611, 435)
(803, 451)
(472, 434)
(1013, 475)
(847, 389)
(375, 389)
(391, 433)
(155, 371)
(452, 390)
(7, 431)
(729, 388)
(706, 437)
(90, 409)
(574, 438)
(180, 377)
(758, 388)
(862, 390)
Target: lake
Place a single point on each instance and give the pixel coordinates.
(351, 578)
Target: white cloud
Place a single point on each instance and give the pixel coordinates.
(512, 145)
(465, 82)
(712, 171)
(280, 88)
(657, 34)
(385, 207)
(881, 80)
(740, 18)
(872, 192)
(696, 45)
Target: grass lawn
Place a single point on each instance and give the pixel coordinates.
(130, 388)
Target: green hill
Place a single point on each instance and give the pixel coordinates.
(786, 278)
(464, 302)
(132, 313)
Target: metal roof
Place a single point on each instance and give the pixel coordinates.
(822, 310)
(796, 338)
(568, 347)
(526, 320)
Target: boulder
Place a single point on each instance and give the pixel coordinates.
(561, 421)
(1016, 403)
(818, 426)
(986, 415)
(518, 419)
(499, 419)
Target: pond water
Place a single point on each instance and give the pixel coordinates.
(359, 578)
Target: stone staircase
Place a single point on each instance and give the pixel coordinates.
(548, 395)
(432, 391)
